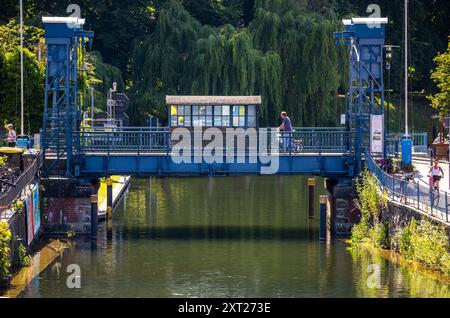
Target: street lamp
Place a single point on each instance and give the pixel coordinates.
(110, 102)
(388, 49)
(406, 141)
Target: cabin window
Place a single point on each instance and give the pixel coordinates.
(222, 116)
(213, 116)
(180, 115)
(251, 116)
(238, 116)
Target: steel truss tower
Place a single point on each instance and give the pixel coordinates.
(364, 39)
(64, 38)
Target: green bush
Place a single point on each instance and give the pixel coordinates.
(427, 244)
(5, 239)
(3, 160)
(24, 260)
(18, 207)
(359, 232)
(379, 235)
(371, 203)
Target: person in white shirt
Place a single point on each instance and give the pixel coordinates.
(12, 136)
(436, 173)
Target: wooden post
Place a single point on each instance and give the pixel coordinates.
(109, 204)
(94, 216)
(311, 187)
(109, 197)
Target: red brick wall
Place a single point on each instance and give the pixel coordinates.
(63, 214)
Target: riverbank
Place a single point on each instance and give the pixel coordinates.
(390, 225)
(397, 258)
(39, 262)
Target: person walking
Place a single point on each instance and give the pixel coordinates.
(286, 126)
(12, 136)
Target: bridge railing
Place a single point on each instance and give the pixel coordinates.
(413, 193)
(158, 140)
(124, 140)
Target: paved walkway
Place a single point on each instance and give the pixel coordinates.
(423, 166)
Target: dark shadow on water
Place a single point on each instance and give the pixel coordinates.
(212, 233)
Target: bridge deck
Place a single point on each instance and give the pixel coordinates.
(326, 152)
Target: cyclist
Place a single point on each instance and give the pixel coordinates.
(436, 174)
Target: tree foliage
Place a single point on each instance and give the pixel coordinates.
(5, 241)
(34, 73)
(441, 77)
(96, 73)
(286, 54)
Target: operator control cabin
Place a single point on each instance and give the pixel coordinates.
(213, 111)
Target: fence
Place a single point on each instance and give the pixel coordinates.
(422, 197)
(25, 178)
(158, 140)
(420, 143)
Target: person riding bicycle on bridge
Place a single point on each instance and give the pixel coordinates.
(436, 173)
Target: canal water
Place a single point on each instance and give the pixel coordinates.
(223, 237)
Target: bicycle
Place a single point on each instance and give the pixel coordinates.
(295, 145)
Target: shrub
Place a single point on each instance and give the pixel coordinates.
(3, 160)
(24, 260)
(427, 244)
(18, 207)
(371, 202)
(379, 235)
(5, 238)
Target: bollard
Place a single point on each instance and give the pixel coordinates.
(109, 197)
(323, 218)
(311, 186)
(94, 216)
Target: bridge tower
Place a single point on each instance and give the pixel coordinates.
(364, 39)
(64, 38)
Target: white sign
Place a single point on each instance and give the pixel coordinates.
(343, 119)
(376, 134)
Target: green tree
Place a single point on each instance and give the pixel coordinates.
(441, 77)
(34, 73)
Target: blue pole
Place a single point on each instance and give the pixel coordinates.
(323, 218)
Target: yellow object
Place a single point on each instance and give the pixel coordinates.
(101, 195)
(11, 150)
(173, 110)
(312, 182)
(109, 182)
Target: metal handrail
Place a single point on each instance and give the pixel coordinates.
(147, 141)
(425, 199)
(25, 178)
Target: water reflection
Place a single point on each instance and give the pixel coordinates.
(222, 237)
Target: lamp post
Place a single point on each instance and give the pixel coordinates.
(21, 69)
(406, 141)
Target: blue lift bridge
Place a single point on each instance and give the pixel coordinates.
(332, 152)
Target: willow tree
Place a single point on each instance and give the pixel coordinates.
(287, 55)
(160, 63)
(310, 61)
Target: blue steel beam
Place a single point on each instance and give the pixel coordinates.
(326, 165)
